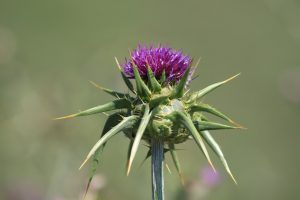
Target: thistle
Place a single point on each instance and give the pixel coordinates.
(160, 111)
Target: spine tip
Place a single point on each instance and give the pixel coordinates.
(65, 117)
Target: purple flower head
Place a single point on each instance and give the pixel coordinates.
(210, 177)
(159, 59)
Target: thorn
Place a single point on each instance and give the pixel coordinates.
(159, 117)
(105, 114)
(211, 165)
(120, 115)
(168, 168)
(195, 77)
(231, 78)
(182, 179)
(118, 64)
(83, 198)
(130, 52)
(96, 85)
(147, 64)
(186, 92)
(83, 163)
(66, 117)
(237, 125)
(197, 63)
(230, 174)
(232, 177)
(142, 101)
(128, 167)
(87, 188)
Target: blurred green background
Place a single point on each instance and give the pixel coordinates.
(50, 49)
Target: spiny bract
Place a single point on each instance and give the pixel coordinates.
(159, 107)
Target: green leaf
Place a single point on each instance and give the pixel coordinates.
(125, 78)
(209, 109)
(129, 151)
(217, 149)
(142, 89)
(187, 122)
(109, 91)
(113, 105)
(112, 121)
(163, 77)
(127, 122)
(95, 163)
(154, 85)
(205, 125)
(176, 162)
(156, 100)
(128, 83)
(139, 135)
(197, 95)
(179, 88)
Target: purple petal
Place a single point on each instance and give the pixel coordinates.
(159, 59)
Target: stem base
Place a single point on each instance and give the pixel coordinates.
(157, 163)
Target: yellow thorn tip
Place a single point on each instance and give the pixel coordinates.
(182, 179)
(237, 125)
(66, 117)
(118, 64)
(231, 78)
(211, 165)
(96, 85)
(232, 177)
(83, 163)
(128, 167)
(197, 63)
(168, 168)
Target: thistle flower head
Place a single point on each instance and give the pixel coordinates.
(161, 60)
(156, 111)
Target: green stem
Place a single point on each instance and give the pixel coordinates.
(157, 148)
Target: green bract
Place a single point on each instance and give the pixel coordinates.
(155, 110)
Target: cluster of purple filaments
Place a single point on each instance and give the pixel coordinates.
(160, 59)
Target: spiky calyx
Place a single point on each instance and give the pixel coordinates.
(159, 111)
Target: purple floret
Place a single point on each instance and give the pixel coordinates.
(160, 59)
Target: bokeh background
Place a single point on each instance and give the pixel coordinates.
(50, 49)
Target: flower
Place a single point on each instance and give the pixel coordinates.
(160, 111)
(210, 177)
(160, 59)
